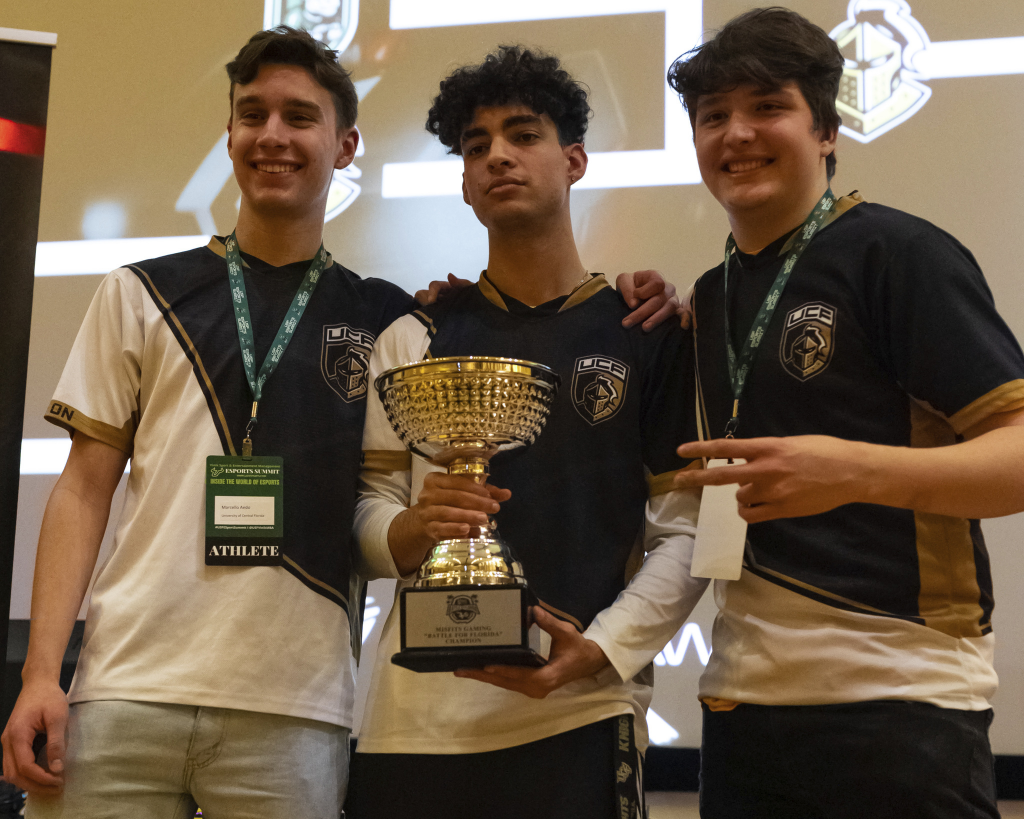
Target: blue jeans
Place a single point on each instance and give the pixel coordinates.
(143, 760)
(864, 760)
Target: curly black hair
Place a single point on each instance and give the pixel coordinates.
(766, 47)
(512, 75)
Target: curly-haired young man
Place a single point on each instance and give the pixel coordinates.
(852, 355)
(572, 506)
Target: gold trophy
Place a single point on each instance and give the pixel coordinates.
(469, 606)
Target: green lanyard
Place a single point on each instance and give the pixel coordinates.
(284, 333)
(739, 366)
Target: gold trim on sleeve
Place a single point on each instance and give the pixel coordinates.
(661, 484)
(73, 420)
(387, 460)
(559, 613)
(1004, 398)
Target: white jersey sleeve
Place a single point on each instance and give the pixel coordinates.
(385, 481)
(661, 595)
(99, 390)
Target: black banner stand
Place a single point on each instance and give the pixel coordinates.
(24, 93)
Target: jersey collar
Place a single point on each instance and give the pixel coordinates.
(584, 291)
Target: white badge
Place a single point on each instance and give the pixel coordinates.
(721, 532)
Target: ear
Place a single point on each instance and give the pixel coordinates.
(576, 159)
(348, 141)
(828, 141)
(465, 190)
(229, 133)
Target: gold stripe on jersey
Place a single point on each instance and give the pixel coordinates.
(843, 204)
(792, 581)
(1004, 398)
(661, 484)
(74, 420)
(949, 598)
(426, 321)
(387, 460)
(217, 246)
(596, 284)
(559, 613)
(195, 353)
(490, 292)
(319, 583)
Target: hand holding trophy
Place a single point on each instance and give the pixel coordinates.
(469, 606)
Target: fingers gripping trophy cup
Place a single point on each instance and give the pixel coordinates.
(469, 605)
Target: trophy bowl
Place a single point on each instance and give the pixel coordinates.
(469, 605)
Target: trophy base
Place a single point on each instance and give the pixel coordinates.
(439, 659)
(467, 626)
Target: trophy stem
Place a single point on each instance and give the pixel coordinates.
(475, 467)
(479, 469)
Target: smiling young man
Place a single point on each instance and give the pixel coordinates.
(217, 665)
(572, 505)
(852, 355)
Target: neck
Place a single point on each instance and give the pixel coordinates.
(754, 230)
(278, 240)
(535, 267)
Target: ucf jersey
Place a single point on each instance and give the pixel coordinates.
(886, 333)
(579, 492)
(156, 371)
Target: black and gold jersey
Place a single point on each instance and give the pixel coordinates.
(625, 403)
(156, 371)
(589, 497)
(886, 333)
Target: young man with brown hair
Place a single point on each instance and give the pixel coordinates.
(851, 354)
(207, 678)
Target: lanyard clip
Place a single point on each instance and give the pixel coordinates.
(730, 427)
(247, 441)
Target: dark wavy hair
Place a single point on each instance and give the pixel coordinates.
(512, 75)
(285, 45)
(766, 47)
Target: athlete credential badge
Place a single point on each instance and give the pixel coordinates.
(808, 338)
(598, 387)
(344, 358)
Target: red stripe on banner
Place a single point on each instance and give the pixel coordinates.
(19, 138)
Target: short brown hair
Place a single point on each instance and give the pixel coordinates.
(285, 45)
(766, 47)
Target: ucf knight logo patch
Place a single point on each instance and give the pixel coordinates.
(808, 339)
(598, 387)
(344, 359)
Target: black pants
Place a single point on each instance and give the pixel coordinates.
(574, 775)
(867, 760)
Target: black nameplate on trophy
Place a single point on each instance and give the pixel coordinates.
(451, 627)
